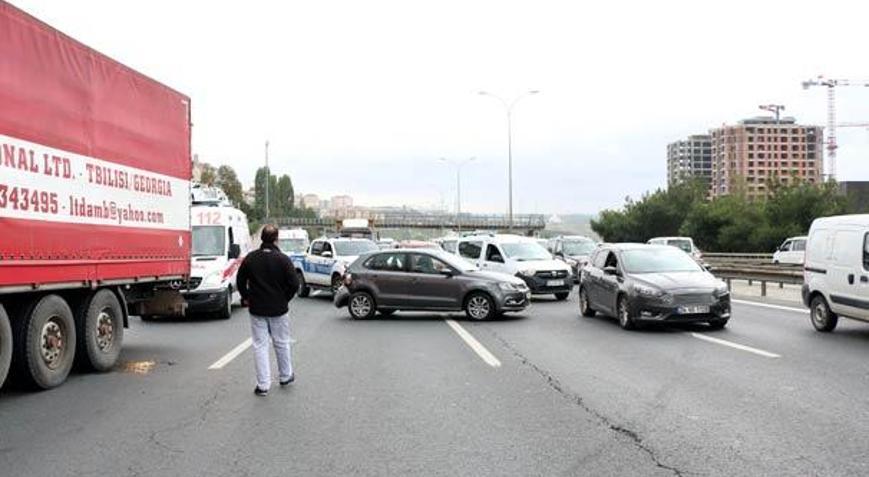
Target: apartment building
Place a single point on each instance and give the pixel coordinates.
(750, 155)
(689, 158)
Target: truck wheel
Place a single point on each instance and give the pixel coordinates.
(225, 312)
(45, 332)
(5, 345)
(336, 283)
(823, 319)
(304, 289)
(100, 331)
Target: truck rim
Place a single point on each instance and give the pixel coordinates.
(105, 329)
(53, 342)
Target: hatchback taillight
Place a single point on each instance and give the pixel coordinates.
(348, 279)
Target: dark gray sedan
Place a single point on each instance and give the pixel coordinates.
(641, 283)
(427, 280)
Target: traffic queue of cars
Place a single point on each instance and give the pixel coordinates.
(660, 282)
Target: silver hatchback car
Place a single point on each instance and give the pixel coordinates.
(427, 280)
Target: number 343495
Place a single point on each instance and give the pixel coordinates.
(22, 198)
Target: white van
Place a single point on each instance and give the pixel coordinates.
(791, 252)
(519, 256)
(293, 242)
(221, 240)
(836, 277)
(686, 244)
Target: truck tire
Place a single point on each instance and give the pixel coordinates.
(45, 333)
(5, 345)
(99, 331)
(304, 289)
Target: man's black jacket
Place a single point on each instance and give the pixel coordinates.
(267, 281)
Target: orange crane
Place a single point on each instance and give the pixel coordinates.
(831, 85)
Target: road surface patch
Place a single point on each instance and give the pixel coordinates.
(475, 345)
(738, 346)
(228, 357)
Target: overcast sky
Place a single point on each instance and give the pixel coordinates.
(363, 97)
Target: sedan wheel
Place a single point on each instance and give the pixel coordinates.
(361, 306)
(480, 307)
(584, 304)
(823, 319)
(626, 321)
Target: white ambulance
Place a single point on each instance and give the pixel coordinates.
(221, 240)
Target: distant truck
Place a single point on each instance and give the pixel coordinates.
(323, 267)
(94, 212)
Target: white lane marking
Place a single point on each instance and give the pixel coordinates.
(766, 305)
(738, 346)
(475, 345)
(228, 357)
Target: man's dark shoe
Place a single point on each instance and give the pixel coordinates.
(260, 392)
(289, 381)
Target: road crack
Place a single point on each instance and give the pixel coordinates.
(553, 382)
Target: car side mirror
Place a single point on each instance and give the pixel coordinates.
(496, 258)
(610, 270)
(326, 254)
(234, 251)
(559, 255)
(447, 273)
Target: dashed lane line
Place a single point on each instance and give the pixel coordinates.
(738, 346)
(475, 345)
(228, 357)
(767, 305)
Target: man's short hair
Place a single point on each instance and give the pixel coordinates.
(269, 234)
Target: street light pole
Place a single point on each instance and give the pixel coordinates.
(508, 107)
(268, 179)
(458, 166)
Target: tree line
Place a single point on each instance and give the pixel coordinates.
(734, 223)
(281, 198)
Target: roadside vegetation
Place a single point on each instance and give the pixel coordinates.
(733, 223)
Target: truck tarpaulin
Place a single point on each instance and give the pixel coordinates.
(94, 163)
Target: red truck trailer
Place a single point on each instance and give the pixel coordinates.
(94, 201)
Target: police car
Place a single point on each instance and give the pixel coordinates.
(322, 268)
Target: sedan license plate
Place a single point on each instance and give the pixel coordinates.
(694, 310)
(555, 283)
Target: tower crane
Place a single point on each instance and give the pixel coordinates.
(831, 85)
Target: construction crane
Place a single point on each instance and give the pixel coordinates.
(831, 85)
(773, 108)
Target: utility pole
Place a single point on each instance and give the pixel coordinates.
(508, 107)
(458, 166)
(268, 179)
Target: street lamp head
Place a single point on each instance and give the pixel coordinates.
(534, 91)
(483, 93)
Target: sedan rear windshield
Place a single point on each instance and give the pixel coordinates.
(658, 260)
(350, 248)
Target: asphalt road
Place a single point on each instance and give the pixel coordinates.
(559, 395)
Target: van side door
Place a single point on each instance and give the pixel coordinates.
(494, 259)
(845, 274)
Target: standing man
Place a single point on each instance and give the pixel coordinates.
(267, 282)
